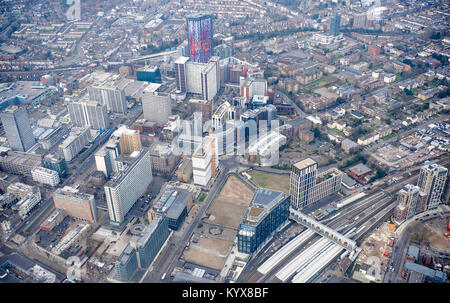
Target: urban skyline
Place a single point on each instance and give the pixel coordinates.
(219, 142)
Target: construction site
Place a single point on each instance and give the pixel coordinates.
(375, 252)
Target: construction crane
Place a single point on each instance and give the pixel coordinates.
(213, 163)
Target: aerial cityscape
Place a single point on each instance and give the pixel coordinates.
(205, 141)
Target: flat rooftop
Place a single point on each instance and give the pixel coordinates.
(262, 202)
(360, 169)
(305, 163)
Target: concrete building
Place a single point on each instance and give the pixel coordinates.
(175, 205)
(433, 275)
(349, 146)
(126, 265)
(127, 185)
(163, 158)
(78, 138)
(184, 171)
(267, 211)
(157, 108)
(407, 199)
(45, 176)
(17, 127)
(202, 161)
(250, 87)
(76, 204)
(431, 181)
(359, 20)
(52, 138)
(29, 196)
(19, 163)
(142, 249)
(308, 187)
(105, 159)
(220, 116)
(198, 78)
(129, 140)
(88, 113)
(113, 97)
(150, 242)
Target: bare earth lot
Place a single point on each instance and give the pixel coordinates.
(209, 252)
(230, 205)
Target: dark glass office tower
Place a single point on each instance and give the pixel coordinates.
(335, 24)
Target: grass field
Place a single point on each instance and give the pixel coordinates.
(270, 181)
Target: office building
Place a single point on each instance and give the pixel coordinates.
(431, 181)
(19, 163)
(308, 187)
(201, 79)
(129, 140)
(17, 127)
(56, 163)
(127, 185)
(202, 161)
(267, 211)
(149, 74)
(180, 73)
(202, 106)
(105, 159)
(142, 249)
(157, 108)
(126, 265)
(53, 220)
(250, 87)
(175, 205)
(113, 97)
(221, 115)
(359, 20)
(88, 113)
(45, 176)
(163, 158)
(335, 24)
(407, 199)
(29, 196)
(78, 138)
(53, 137)
(432, 275)
(150, 241)
(76, 204)
(200, 37)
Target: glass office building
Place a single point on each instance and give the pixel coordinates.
(267, 211)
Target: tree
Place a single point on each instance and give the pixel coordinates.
(408, 92)
(317, 133)
(340, 100)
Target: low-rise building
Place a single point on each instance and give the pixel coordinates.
(19, 163)
(76, 204)
(45, 176)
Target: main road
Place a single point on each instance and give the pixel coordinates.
(168, 258)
